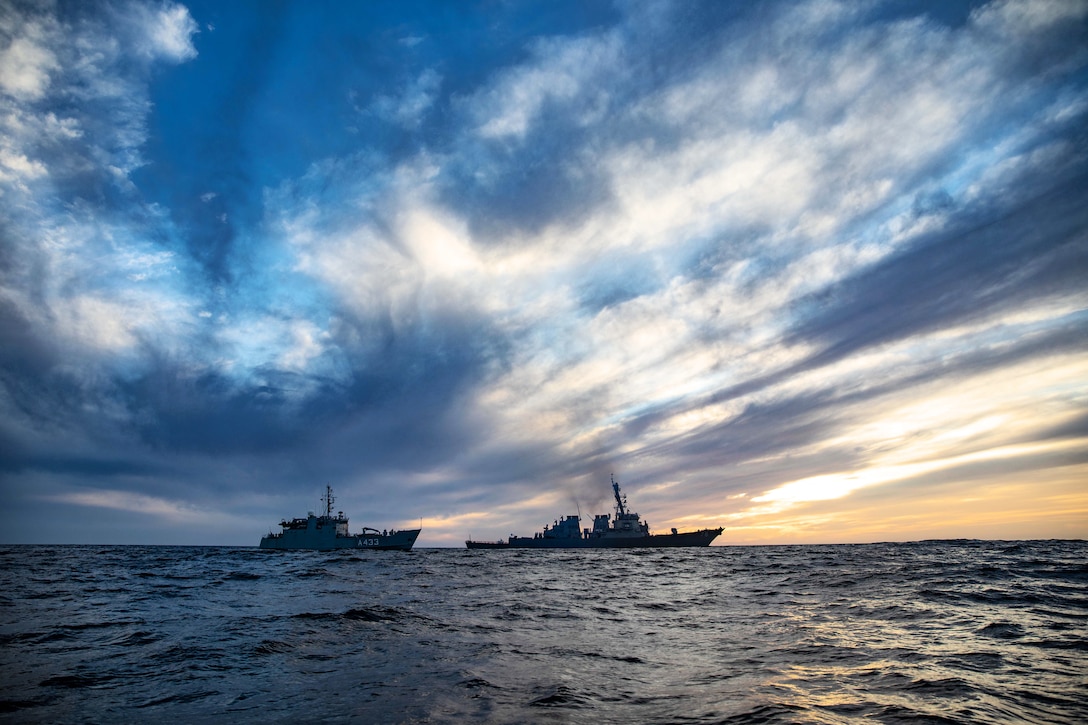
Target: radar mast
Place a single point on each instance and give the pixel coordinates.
(329, 499)
(621, 500)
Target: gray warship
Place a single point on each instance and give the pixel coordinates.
(327, 532)
(626, 530)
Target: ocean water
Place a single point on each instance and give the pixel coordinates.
(942, 632)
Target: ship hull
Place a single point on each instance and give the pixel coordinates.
(657, 541)
(326, 540)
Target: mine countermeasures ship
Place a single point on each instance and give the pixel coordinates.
(328, 532)
(626, 530)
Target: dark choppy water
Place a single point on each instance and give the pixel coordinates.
(930, 632)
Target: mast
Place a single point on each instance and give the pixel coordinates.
(329, 500)
(621, 501)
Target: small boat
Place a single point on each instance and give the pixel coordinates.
(327, 532)
(626, 530)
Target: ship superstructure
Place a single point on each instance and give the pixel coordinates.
(329, 531)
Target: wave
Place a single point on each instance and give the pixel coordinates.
(934, 632)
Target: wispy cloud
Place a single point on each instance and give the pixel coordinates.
(412, 102)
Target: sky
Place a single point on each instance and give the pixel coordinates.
(815, 272)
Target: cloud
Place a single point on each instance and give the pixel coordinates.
(408, 107)
(979, 267)
(164, 31)
(26, 63)
(743, 257)
(126, 501)
(561, 72)
(75, 103)
(85, 281)
(1032, 18)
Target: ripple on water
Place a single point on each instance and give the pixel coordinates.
(926, 632)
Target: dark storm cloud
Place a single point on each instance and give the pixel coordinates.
(400, 408)
(401, 412)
